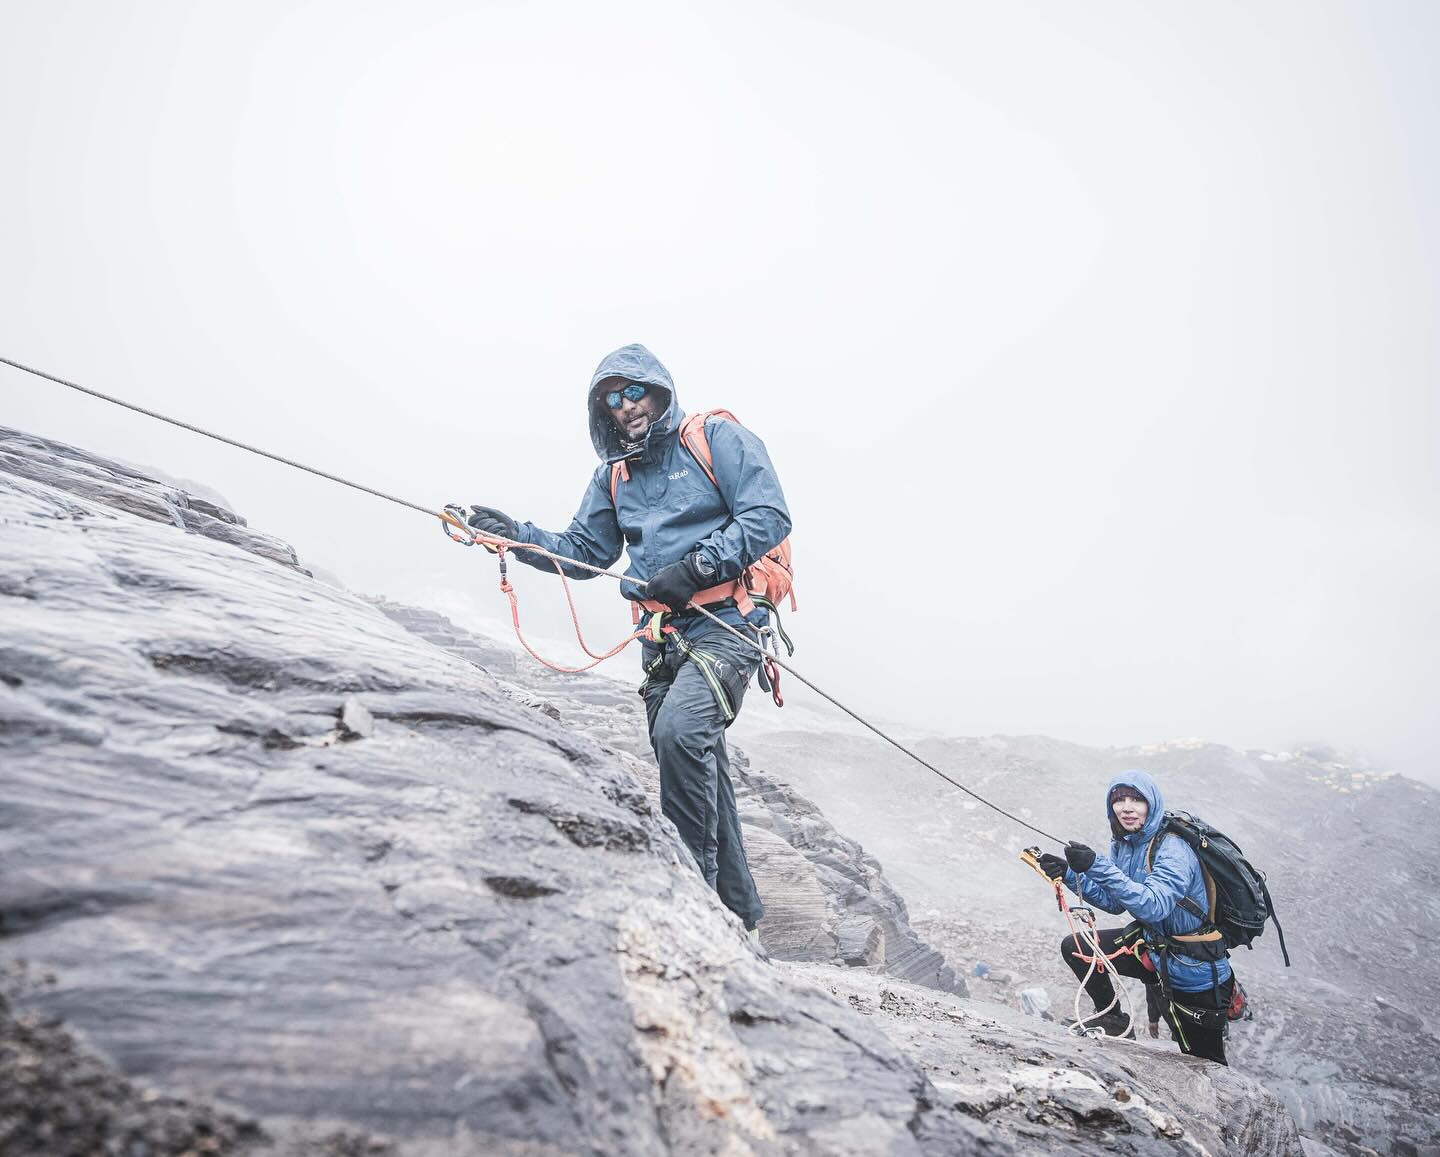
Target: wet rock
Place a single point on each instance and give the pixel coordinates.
(470, 933)
(825, 898)
(355, 721)
(125, 488)
(1342, 1036)
(860, 943)
(992, 1062)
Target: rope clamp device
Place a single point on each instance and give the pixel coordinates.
(456, 520)
(468, 535)
(1031, 856)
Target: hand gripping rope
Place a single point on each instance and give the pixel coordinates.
(1088, 935)
(655, 627)
(498, 547)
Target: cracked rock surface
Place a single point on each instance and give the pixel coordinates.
(826, 899)
(1063, 1094)
(286, 858)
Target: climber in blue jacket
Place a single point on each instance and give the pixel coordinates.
(687, 538)
(1167, 901)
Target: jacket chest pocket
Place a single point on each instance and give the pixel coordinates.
(682, 489)
(689, 489)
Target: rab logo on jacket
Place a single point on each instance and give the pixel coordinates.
(679, 474)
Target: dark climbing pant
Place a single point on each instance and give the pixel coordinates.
(1194, 1039)
(689, 702)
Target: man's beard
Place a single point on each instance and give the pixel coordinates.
(629, 444)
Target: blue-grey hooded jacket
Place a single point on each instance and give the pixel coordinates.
(1119, 883)
(668, 507)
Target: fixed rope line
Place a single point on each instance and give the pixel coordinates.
(301, 466)
(556, 558)
(218, 437)
(860, 719)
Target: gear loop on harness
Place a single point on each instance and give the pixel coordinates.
(772, 675)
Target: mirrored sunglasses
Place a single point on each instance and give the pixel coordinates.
(634, 391)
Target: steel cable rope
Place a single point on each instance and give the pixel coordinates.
(558, 559)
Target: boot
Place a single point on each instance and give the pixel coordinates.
(1114, 1023)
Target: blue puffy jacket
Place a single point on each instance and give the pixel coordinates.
(668, 507)
(1119, 883)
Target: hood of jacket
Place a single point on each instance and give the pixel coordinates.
(1147, 787)
(631, 363)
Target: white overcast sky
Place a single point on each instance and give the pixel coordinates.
(1095, 344)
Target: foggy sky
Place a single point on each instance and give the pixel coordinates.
(1095, 345)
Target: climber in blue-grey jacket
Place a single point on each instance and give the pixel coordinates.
(1167, 901)
(687, 538)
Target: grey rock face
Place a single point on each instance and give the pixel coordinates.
(1063, 1094)
(283, 855)
(825, 899)
(114, 485)
(1059, 1093)
(1347, 1037)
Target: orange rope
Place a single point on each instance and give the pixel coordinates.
(1099, 961)
(509, 592)
(497, 546)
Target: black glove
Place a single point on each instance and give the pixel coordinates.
(1052, 865)
(676, 584)
(488, 520)
(1079, 857)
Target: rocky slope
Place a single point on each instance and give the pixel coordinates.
(826, 899)
(285, 858)
(1347, 1036)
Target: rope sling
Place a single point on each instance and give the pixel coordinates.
(1088, 936)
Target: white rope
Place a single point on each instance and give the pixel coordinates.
(1087, 936)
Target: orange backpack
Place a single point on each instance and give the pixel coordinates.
(768, 580)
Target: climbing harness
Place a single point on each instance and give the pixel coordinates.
(1081, 918)
(655, 627)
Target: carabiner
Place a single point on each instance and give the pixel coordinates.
(457, 513)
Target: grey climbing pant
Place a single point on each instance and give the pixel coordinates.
(693, 690)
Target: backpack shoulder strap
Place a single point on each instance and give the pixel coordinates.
(618, 470)
(1270, 907)
(1154, 847)
(1184, 902)
(694, 439)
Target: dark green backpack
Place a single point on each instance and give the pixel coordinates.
(1239, 900)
